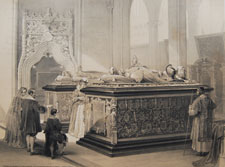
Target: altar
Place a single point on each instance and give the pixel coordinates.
(127, 118)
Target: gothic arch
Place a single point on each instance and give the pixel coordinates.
(24, 70)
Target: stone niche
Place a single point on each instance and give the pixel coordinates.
(45, 34)
(209, 69)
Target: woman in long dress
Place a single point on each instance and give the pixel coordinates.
(13, 135)
(77, 125)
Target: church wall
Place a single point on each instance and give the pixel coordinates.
(203, 17)
(96, 52)
(96, 48)
(139, 32)
(121, 33)
(6, 53)
(205, 20)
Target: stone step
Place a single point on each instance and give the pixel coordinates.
(127, 148)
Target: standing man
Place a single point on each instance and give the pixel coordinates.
(202, 111)
(30, 123)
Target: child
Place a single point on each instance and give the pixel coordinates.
(52, 134)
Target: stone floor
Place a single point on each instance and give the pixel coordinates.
(76, 155)
(160, 159)
(79, 156)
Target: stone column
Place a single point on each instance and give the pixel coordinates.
(121, 33)
(117, 34)
(110, 7)
(177, 32)
(153, 57)
(126, 33)
(192, 24)
(78, 33)
(153, 8)
(14, 42)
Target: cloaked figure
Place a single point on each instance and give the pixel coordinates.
(202, 111)
(30, 124)
(13, 135)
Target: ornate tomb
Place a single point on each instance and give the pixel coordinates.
(126, 118)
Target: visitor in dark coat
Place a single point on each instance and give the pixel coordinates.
(30, 123)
